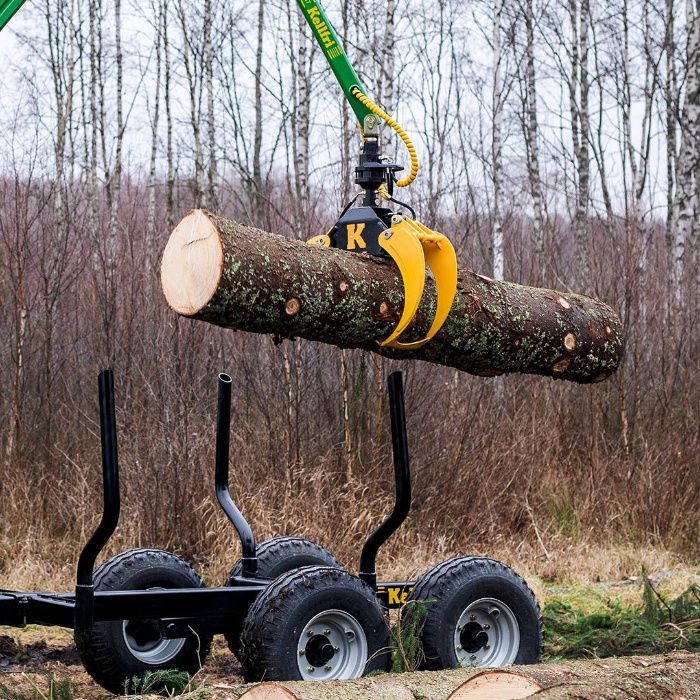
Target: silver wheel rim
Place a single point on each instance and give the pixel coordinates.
(332, 646)
(487, 634)
(146, 642)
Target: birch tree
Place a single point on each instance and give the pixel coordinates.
(531, 133)
(497, 97)
(258, 107)
(208, 51)
(688, 162)
(579, 85)
(154, 122)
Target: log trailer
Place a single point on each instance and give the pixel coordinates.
(289, 611)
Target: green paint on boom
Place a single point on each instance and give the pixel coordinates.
(8, 9)
(334, 53)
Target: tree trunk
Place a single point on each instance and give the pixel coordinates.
(497, 141)
(531, 132)
(216, 270)
(688, 162)
(670, 676)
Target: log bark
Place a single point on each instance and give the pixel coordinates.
(217, 270)
(673, 676)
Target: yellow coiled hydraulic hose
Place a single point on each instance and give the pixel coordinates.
(376, 109)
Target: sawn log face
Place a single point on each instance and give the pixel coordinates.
(240, 277)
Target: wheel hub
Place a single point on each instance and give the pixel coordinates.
(145, 640)
(332, 646)
(473, 637)
(487, 634)
(319, 650)
(144, 634)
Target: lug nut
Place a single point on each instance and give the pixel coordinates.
(336, 648)
(302, 652)
(459, 647)
(487, 646)
(310, 633)
(473, 657)
(327, 668)
(310, 669)
(326, 632)
(487, 626)
(472, 617)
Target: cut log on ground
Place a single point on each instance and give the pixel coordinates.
(672, 676)
(217, 270)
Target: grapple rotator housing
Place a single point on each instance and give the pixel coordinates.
(358, 228)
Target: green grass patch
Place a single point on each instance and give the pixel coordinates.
(613, 628)
(407, 653)
(166, 682)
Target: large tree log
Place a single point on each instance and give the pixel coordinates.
(672, 676)
(235, 276)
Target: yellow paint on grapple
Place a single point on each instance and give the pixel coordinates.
(412, 246)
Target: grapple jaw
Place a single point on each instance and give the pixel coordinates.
(412, 246)
(376, 230)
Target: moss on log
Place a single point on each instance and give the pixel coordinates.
(670, 676)
(231, 275)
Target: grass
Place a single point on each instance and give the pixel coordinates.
(167, 682)
(407, 653)
(587, 624)
(62, 689)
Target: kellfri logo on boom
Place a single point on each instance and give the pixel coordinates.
(322, 28)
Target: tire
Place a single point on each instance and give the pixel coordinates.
(316, 623)
(276, 557)
(120, 650)
(476, 612)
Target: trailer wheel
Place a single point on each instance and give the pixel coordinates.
(315, 623)
(276, 557)
(120, 650)
(476, 612)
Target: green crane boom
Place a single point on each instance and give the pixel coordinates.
(344, 72)
(8, 9)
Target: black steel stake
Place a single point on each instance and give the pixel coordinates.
(249, 557)
(402, 478)
(84, 589)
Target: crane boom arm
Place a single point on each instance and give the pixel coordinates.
(8, 9)
(335, 55)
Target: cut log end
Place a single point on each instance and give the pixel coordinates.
(503, 685)
(269, 691)
(192, 264)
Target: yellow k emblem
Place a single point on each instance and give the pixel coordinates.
(355, 239)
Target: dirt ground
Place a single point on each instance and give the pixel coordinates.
(29, 657)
